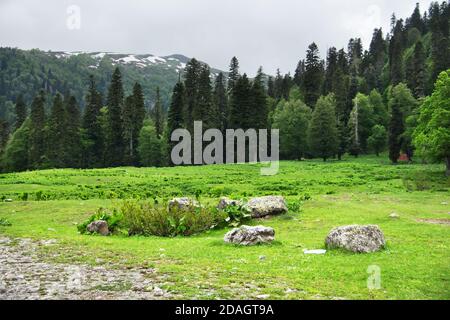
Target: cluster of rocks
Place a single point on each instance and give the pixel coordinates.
(354, 238)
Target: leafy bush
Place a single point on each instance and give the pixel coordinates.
(5, 223)
(143, 218)
(113, 218)
(235, 216)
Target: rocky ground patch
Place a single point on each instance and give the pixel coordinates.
(24, 276)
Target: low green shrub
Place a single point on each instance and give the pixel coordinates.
(5, 223)
(144, 218)
(113, 218)
(235, 216)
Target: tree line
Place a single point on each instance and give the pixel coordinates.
(354, 102)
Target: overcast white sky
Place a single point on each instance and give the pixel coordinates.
(271, 33)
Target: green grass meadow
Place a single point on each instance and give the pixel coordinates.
(415, 264)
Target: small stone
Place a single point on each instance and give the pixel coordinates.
(263, 296)
(394, 215)
(158, 292)
(99, 226)
(262, 258)
(51, 229)
(317, 251)
(444, 203)
(8, 200)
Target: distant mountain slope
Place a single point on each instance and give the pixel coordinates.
(27, 71)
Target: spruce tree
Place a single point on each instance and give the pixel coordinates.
(241, 105)
(72, 136)
(259, 97)
(115, 140)
(400, 106)
(57, 126)
(322, 132)
(270, 87)
(37, 131)
(233, 74)
(21, 112)
(205, 110)
(175, 114)
(396, 47)
(299, 73)
(416, 71)
(220, 101)
(313, 76)
(133, 118)
(92, 135)
(332, 65)
(191, 77)
(158, 114)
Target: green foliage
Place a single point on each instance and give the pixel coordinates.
(322, 132)
(377, 140)
(4, 222)
(235, 216)
(144, 218)
(112, 217)
(15, 157)
(292, 119)
(401, 104)
(150, 149)
(432, 135)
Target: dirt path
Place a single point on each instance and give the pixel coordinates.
(24, 276)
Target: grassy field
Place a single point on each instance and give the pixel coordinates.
(415, 265)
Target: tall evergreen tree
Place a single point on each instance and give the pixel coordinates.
(72, 136)
(299, 73)
(416, 71)
(92, 136)
(259, 110)
(191, 76)
(115, 141)
(332, 65)
(220, 100)
(322, 133)
(401, 105)
(158, 114)
(270, 87)
(233, 74)
(21, 111)
(37, 131)
(133, 119)
(57, 129)
(313, 76)
(241, 104)
(175, 114)
(396, 47)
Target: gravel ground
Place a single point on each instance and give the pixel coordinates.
(24, 277)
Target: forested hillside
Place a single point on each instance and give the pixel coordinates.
(26, 72)
(355, 101)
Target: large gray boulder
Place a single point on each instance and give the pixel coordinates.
(99, 226)
(183, 203)
(227, 202)
(248, 236)
(355, 238)
(266, 206)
